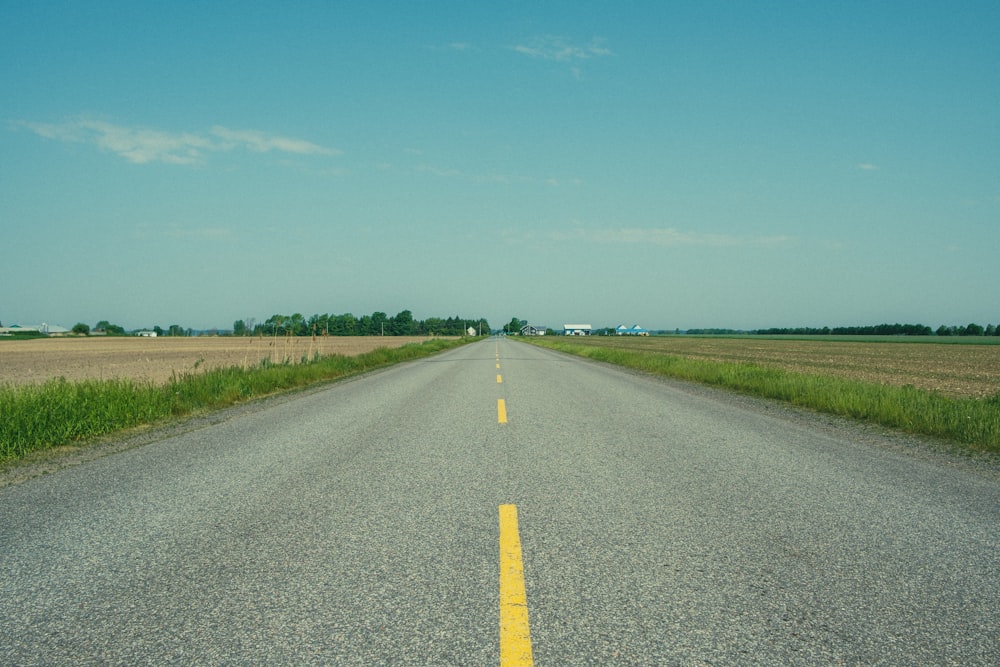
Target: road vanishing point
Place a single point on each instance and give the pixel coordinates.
(503, 504)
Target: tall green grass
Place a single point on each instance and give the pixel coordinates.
(59, 412)
(970, 422)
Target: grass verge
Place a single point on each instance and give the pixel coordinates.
(58, 412)
(970, 422)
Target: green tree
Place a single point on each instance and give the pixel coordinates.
(81, 328)
(239, 328)
(318, 325)
(435, 326)
(274, 325)
(343, 325)
(175, 330)
(296, 325)
(402, 324)
(110, 329)
(515, 326)
(973, 330)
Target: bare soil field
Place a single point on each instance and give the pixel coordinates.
(158, 359)
(954, 370)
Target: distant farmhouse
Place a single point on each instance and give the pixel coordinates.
(576, 329)
(532, 330)
(636, 330)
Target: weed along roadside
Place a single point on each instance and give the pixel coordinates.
(58, 412)
(970, 422)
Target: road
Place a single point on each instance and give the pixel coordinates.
(362, 523)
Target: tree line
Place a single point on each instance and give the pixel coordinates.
(376, 324)
(108, 329)
(971, 329)
(346, 324)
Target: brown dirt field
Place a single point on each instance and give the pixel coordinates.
(954, 370)
(158, 359)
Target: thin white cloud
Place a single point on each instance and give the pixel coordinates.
(137, 145)
(141, 146)
(144, 145)
(560, 49)
(263, 143)
(868, 166)
(50, 131)
(666, 237)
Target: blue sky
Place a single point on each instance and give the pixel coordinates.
(672, 164)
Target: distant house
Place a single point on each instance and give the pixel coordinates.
(576, 329)
(532, 330)
(146, 334)
(634, 330)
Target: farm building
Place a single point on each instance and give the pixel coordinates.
(47, 329)
(532, 330)
(576, 329)
(146, 334)
(635, 330)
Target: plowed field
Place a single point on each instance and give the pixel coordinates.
(953, 370)
(158, 359)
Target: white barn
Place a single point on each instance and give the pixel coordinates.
(576, 329)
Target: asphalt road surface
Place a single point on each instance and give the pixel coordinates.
(361, 523)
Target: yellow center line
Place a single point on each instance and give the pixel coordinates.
(498, 365)
(515, 633)
(499, 378)
(501, 411)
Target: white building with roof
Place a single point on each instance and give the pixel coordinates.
(635, 330)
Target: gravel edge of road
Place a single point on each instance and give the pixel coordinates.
(929, 449)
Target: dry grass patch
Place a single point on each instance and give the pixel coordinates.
(970, 371)
(157, 360)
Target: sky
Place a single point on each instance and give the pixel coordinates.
(669, 164)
